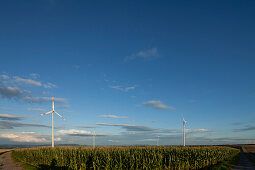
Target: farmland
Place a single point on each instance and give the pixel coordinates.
(132, 157)
(248, 148)
(4, 150)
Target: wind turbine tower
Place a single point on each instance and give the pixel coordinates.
(94, 138)
(157, 140)
(52, 123)
(184, 126)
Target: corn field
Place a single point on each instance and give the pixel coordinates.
(132, 157)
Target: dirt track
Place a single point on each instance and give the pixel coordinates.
(244, 163)
(6, 163)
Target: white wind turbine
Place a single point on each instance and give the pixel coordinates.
(184, 126)
(52, 111)
(157, 140)
(94, 138)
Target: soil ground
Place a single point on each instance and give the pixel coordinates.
(6, 163)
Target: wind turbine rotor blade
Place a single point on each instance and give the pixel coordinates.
(59, 115)
(45, 113)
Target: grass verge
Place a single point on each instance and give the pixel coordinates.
(24, 165)
(227, 164)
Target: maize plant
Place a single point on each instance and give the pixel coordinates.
(133, 157)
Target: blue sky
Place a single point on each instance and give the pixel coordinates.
(128, 69)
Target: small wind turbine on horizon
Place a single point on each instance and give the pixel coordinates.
(94, 138)
(52, 111)
(184, 126)
(157, 140)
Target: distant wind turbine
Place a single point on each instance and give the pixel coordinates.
(52, 111)
(157, 140)
(184, 126)
(94, 138)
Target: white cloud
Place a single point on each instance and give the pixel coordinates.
(24, 137)
(197, 130)
(112, 116)
(49, 85)
(126, 89)
(27, 81)
(116, 87)
(158, 105)
(4, 76)
(147, 140)
(75, 132)
(34, 75)
(145, 54)
(130, 88)
(114, 141)
(57, 139)
(10, 117)
(87, 126)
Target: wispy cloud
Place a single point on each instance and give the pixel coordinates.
(116, 87)
(138, 129)
(4, 76)
(126, 89)
(49, 85)
(145, 54)
(33, 82)
(35, 109)
(181, 131)
(11, 92)
(10, 117)
(87, 126)
(11, 125)
(198, 130)
(112, 116)
(246, 128)
(75, 132)
(17, 93)
(147, 140)
(158, 105)
(27, 81)
(238, 123)
(43, 99)
(128, 127)
(34, 75)
(114, 141)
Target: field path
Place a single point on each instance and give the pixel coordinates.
(6, 163)
(244, 162)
